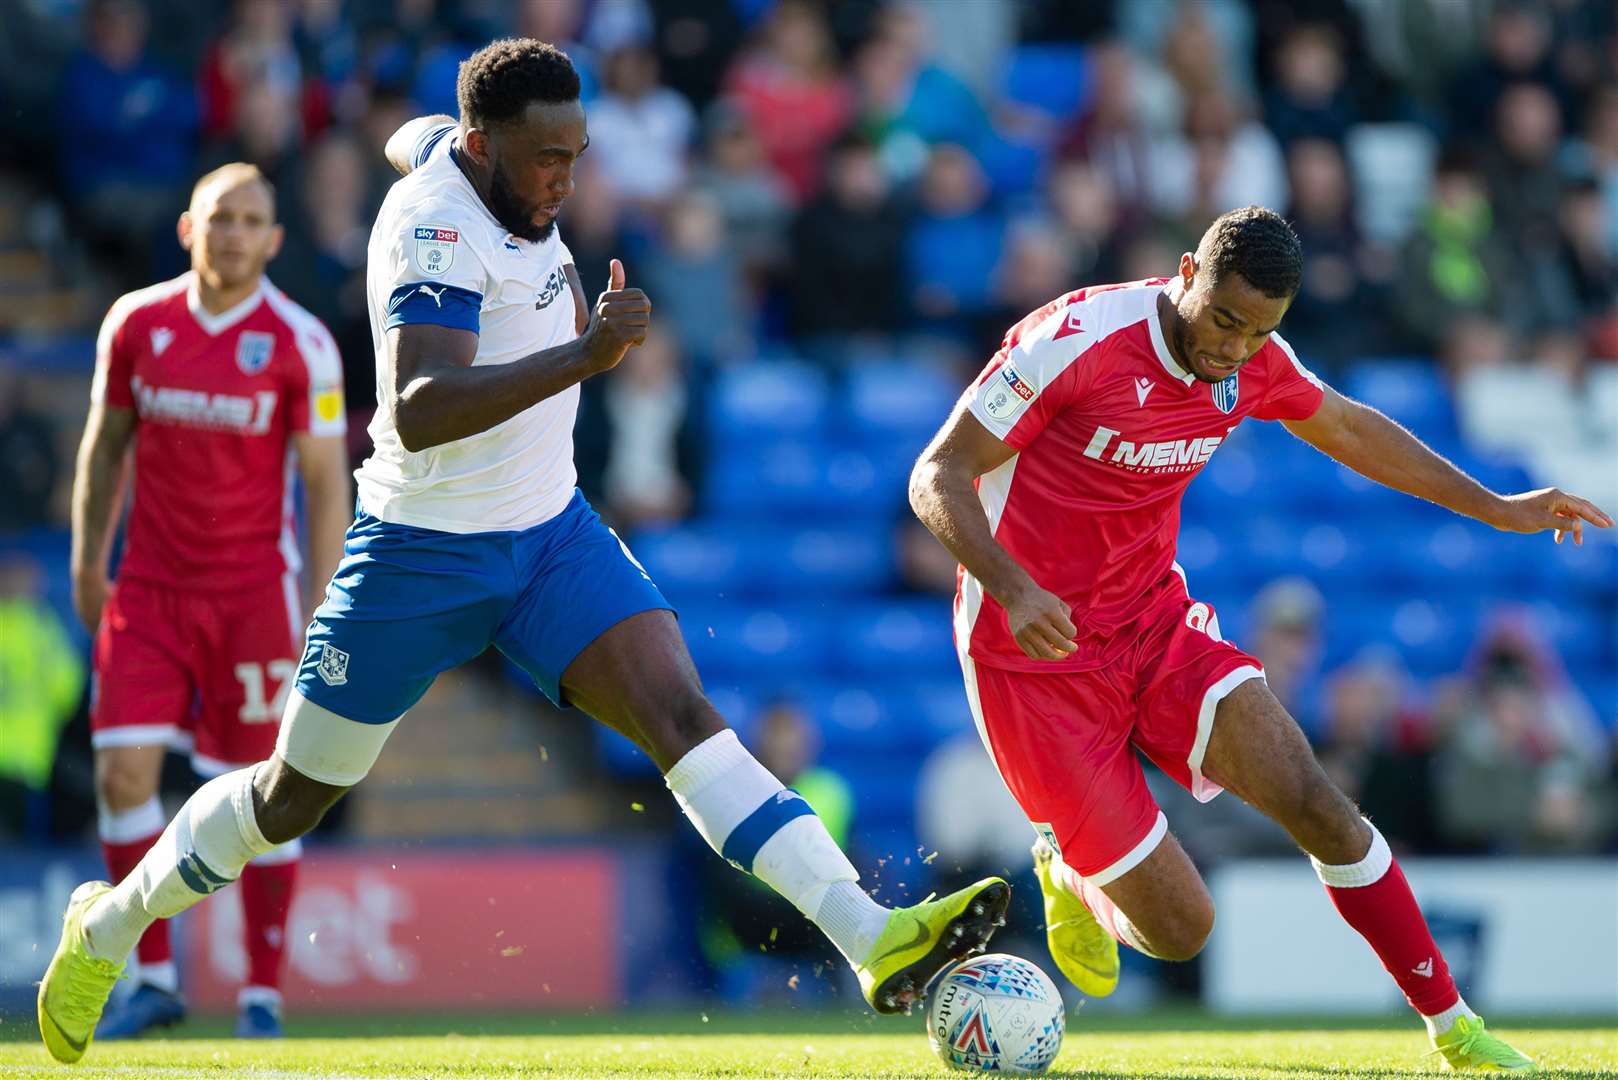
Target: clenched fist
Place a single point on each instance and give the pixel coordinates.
(618, 323)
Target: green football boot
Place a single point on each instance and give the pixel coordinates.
(1079, 944)
(76, 985)
(920, 941)
(1468, 1046)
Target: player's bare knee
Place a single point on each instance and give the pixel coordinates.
(122, 781)
(1183, 937)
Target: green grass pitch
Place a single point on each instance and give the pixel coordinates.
(1158, 1045)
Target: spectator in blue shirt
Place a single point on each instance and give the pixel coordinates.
(132, 131)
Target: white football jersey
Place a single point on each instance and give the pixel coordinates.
(438, 256)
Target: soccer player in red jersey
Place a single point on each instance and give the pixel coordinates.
(1056, 482)
(220, 383)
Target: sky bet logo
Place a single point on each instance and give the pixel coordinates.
(428, 232)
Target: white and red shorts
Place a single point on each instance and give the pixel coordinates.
(209, 671)
(1066, 741)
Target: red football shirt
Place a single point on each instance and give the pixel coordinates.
(1109, 431)
(217, 399)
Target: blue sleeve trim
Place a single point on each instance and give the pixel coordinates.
(425, 148)
(745, 840)
(439, 305)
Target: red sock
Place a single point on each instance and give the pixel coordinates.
(266, 899)
(122, 857)
(1374, 898)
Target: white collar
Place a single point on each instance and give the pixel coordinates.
(1165, 356)
(212, 324)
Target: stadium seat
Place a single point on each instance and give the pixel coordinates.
(898, 401)
(1412, 391)
(1518, 408)
(899, 639)
(697, 561)
(1392, 167)
(757, 645)
(766, 401)
(822, 562)
(793, 480)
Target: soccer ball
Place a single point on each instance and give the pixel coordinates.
(996, 1013)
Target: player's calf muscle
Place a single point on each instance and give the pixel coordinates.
(288, 804)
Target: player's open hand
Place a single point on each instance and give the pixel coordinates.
(619, 321)
(90, 591)
(1042, 624)
(1548, 508)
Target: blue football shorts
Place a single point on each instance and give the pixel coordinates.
(407, 603)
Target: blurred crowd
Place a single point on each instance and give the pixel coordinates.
(859, 178)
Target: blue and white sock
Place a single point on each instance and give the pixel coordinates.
(202, 850)
(767, 830)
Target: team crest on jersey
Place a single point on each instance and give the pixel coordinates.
(253, 351)
(435, 248)
(553, 288)
(1225, 392)
(333, 666)
(1006, 393)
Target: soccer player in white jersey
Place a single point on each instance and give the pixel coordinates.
(470, 532)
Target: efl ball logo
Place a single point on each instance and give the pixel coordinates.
(435, 248)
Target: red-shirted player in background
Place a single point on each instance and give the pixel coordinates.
(220, 382)
(1056, 482)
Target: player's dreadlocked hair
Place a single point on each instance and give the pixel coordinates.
(1256, 243)
(498, 82)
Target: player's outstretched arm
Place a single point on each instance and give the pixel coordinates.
(943, 497)
(401, 148)
(438, 396)
(98, 482)
(1376, 447)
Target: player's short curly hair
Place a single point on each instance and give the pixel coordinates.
(498, 82)
(1256, 243)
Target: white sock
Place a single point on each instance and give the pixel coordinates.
(203, 849)
(1440, 1024)
(127, 826)
(759, 826)
(851, 919)
(163, 975)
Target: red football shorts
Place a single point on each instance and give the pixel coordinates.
(1065, 742)
(173, 666)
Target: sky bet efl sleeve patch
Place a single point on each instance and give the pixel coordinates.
(1002, 398)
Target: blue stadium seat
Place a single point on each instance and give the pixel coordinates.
(903, 638)
(1411, 390)
(755, 645)
(1431, 637)
(811, 562)
(1590, 569)
(899, 401)
(784, 479)
(699, 560)
(766, 401)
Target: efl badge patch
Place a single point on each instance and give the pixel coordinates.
(253, 351)
(1006, 393)
(333, 667)
(435, 248)
(1224, 393)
